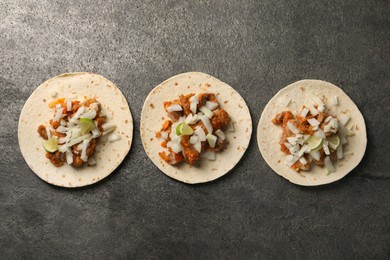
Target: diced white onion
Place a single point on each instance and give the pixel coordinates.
(321, 108)
(169, 144)
(58, 114)
(304, 112)
(108, 127)
(206, 111)
(193, 107)
(194, 139)
(79, 112)
(315, 128)
(176, 147)
(76, 140)
(302, 150)
(206, 121)
(84, 156)
(230, 127)
(91, 114)
(303, 160)
(62, 148)
(313, 110)
(220, 134)
(198, 146)
(211, 105)
(328, 119)
(69, 156)
(58, 106)
(325, 147)
(328, 164)
(95, 132)
(317, 101)
(344, 119)
(291, 159)
(292, 128)
(62, 122)
(113, 137)
(335, 101)
(200, 133)
(209, 155)
(211, 139)
(292, 140)
(54, 94)
(61, 129)
(313, 122)
(327, 128)
(68, 105)
(48, 132)
(315, 155)
(305, 137)
(320, 133)
(174, 108)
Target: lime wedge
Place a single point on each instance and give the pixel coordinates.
(314, 142)
(86, 125)
(334, 141)
(51, 145)
(184, 129)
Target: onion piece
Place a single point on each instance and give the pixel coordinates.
(68, 105)
(113, 137)
(230, 127)
(320, 133)
(91, 161)
(207, 124)
(91, 114)
(164, 135)
(291, 159)
(194, 139)
(315, 155)
(344, 119)
(303, 160)
(206, 111)
(313, 122)
(61, 129)
(211, 139)
(69, 156)
(328, 119)
(198, 146)
(211, 105)
(302, 150)
(325, 147)
(317, 101)
(108, 127)
(304, 112)
(313, 110)
(84, 156)
(176, 147)
(292, 140)
(328, 164)
(58, 114)
(48, 132)
(292, 128)
(79, 112)
(321, 108)
(76, 140)
(174, 108)
(220, 134)
(209, 155)
(200, 133)
(335, 101)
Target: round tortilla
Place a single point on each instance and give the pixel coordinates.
(268, 134)
(36, 112)
(153, 116)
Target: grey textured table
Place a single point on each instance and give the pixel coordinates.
(257, 47)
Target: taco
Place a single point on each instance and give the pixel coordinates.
(194, 127)
(75, 129)
(312, 133)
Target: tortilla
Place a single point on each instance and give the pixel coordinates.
(36, 112)
(153, 115)
(268, 134)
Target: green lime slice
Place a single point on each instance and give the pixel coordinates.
(335, 141)
(184, 129)
(86, 125)
(51, 145)
(314, 142)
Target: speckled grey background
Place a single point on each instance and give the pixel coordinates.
(257, 47)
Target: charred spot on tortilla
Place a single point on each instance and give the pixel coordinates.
(311, 138)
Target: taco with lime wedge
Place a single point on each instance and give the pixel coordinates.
(312, 133)
(75, 129)
(194, 127)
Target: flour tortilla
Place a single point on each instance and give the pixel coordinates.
(36, 112)
(153, 116)
(268, 134)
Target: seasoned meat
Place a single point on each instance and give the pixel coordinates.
(42, 132)
(185, 103)
(56, 158)
(220, 119)
(191, 155)
(175, 115)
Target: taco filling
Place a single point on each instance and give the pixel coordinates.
(195, 129)
(73, 133)
(313, 136)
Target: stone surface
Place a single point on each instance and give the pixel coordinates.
(257, 47)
